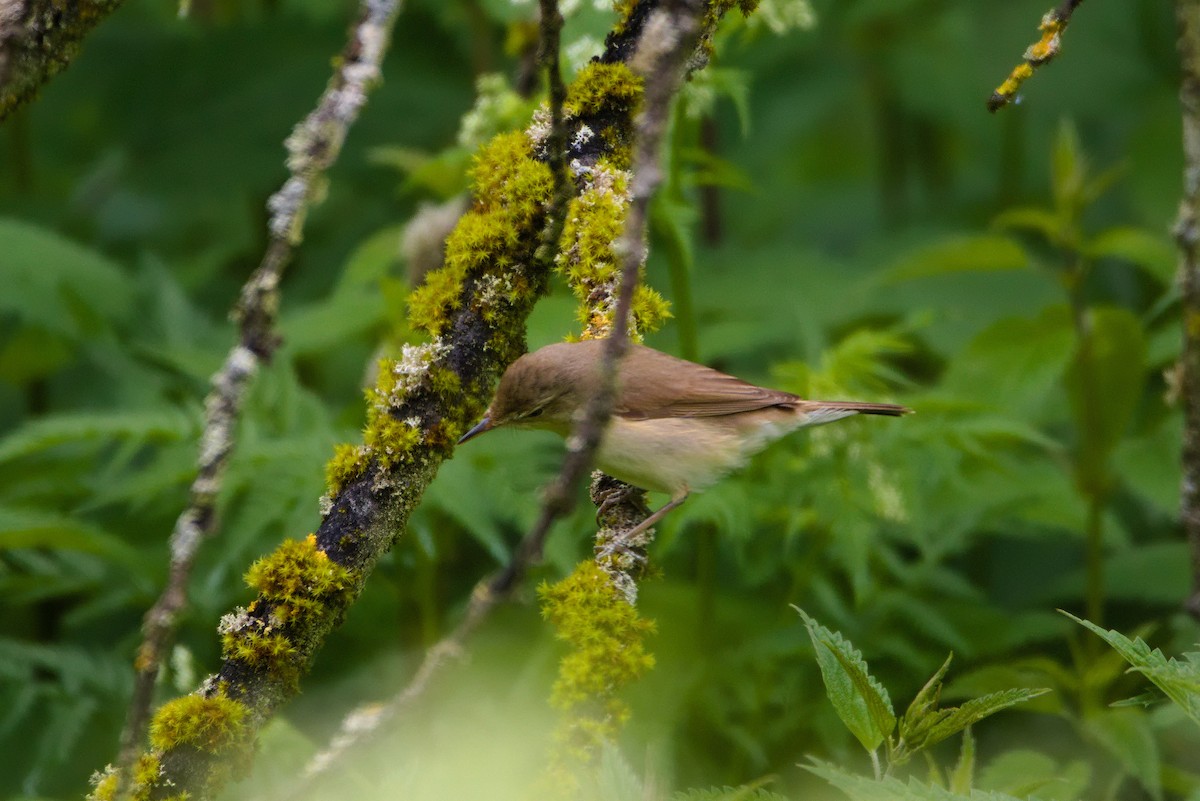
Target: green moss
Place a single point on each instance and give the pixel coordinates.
(144, 775)
(390, 440)
(347, 464)
(511, 189)
(299, 579)
(604, 89)
(264, 649)
(607, 640)
(624, 9)
(590, 263)
(208, 724)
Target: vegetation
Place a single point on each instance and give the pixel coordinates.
(841, 217)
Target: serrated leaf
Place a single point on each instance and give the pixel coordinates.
(38, 528)
(925, 701)
(141, 426)
(859, 700)
(952, 720)
(1179, 680)
(50, 280)
(1126, 734)
(861, 788)
(743, 793)
(983, 253)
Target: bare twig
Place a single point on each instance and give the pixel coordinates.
(1187, 235)
(1036, 55)
(38, 39)
(312, 148)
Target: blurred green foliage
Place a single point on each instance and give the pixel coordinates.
(841, 219)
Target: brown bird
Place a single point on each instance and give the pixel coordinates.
(677, 426)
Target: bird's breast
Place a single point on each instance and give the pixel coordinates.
(677, 455)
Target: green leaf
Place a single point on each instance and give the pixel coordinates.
(164, 425)
(1037, 219)
(1127, 735)
(743, 793)
(1179, 680)
(859, 700)
(1146, 249)
(1104, 384)
(962, 778)
(58, 284)
(1022, 772)
(861, 788)
(982, 253)
(38, 528)
(950, 721)
(1068, 167)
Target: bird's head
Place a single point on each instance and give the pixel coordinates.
(543, 389)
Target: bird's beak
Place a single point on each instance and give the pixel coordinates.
(483, 425)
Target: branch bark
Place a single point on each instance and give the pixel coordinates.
(1187, 236)
(39, 39)
(312, 148)
(1036, 55)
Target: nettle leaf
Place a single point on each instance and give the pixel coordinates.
(58, 284)
(1104, 383)
(951, 720)
(147, 425)
(984, 253)
(1127, 735)
(862, 788)
(858, 698)
(743, 793)
(924, 725)
(1179, 680)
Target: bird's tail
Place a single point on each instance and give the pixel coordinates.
(888, 409)
(816, 413)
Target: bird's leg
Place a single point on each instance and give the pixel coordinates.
(622, 493)
(626, 542)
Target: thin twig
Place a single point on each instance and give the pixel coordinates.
(1036, 55)
(1187, 236)
(312, 148)
(672, 36)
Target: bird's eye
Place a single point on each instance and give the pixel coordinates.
(536, 412)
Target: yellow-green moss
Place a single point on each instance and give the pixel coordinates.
(607, 640)
(299, 578)
(624, 9)
(589, 261)
(511, 189)
(347, 464)
(604, 88)
(143, 777)
(209, 724)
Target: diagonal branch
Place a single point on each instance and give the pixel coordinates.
(312, 148)
(1036, 55)
(39, 39)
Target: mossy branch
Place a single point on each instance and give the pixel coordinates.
(1038, 54)
(39, 39)
(312, 148)
(475, 308)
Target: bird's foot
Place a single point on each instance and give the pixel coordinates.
(609, 494)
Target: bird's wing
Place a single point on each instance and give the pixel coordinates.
(669, 387)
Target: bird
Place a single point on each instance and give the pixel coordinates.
(677, 427)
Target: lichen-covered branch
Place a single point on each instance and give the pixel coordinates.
(474, 309)
(1187, 235)
(1038, 54)
(312, 148)
(39, 39)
